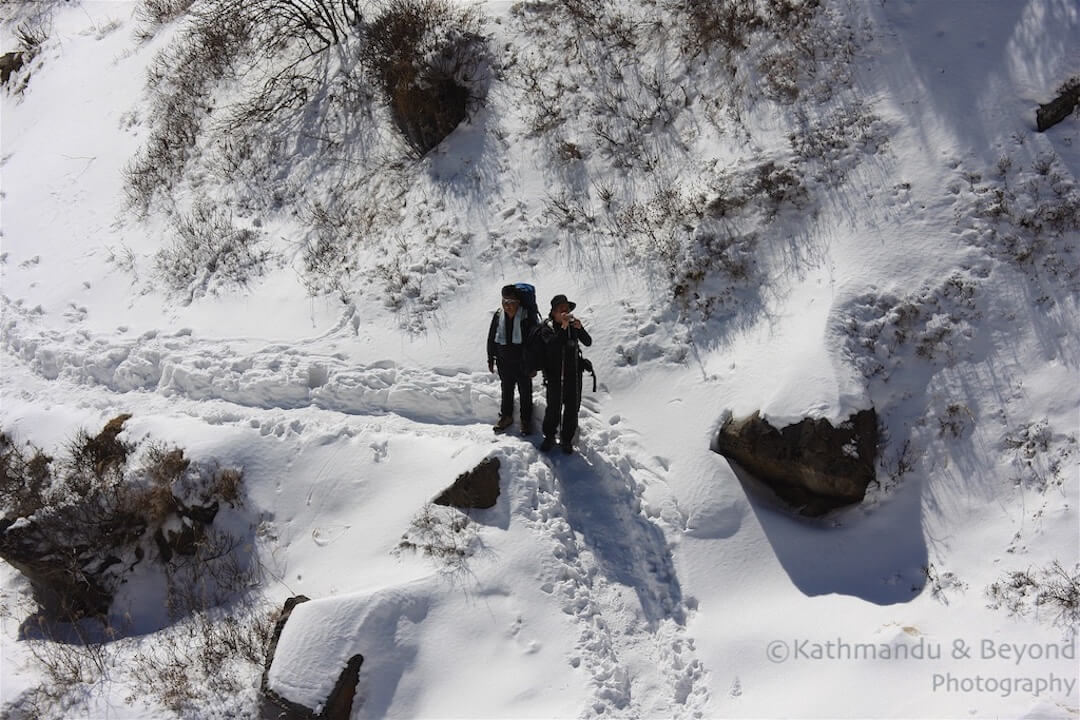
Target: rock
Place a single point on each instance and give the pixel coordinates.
(338, 705)
(9, 63)
(1059, 108)
(476, 488)
(812, 465)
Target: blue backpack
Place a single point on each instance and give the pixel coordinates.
(528, 300)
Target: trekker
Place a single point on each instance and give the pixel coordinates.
(511, 327)
(560, 334)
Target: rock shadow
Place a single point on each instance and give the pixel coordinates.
(876, 553)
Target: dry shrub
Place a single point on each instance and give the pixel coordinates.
(228, 484)
(24, 478)
(180, 79)
(153, 14)
(430, 60)
(90, 519)
(1053, 587)
(102, 454)
(209, 253)
(76, 527)
(725, 24)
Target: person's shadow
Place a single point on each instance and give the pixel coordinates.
(630, 549)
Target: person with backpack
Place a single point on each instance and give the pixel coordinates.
(512, 325)
(560, 336)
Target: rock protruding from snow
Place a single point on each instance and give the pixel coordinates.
(313, 663)
(476, 488)
(811, 464)
(10, 63)
(338, 706)
(1061, 107)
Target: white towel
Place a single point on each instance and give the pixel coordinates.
(500, 329)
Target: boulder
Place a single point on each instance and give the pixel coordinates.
(338, 705)
(9, 63)
(811, 464)
(1059, 108)
(476, 488)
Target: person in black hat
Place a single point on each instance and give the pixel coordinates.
(511, 328)
(561, 333)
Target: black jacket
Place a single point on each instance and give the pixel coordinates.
(560, 349)
(510, 357)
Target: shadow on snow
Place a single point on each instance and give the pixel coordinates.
(629, 548)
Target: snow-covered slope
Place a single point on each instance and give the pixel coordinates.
(893, 239)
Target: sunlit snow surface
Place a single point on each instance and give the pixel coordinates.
(641, 576)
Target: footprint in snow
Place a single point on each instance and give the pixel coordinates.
(323, 536)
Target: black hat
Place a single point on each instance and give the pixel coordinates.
(559, 299)
(510, 291)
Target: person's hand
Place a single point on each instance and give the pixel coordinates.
(491, 366)
(575, 323)
(564, 320)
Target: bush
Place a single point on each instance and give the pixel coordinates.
(1024, 592)
(726, 24)
(836, 144)
(79, 527)
(152, 14)
(445, 534)
(208, 660)
(210, 253)
(24, 480)
(31, 36)
(76, 527)
(180, 79)
(430, 61)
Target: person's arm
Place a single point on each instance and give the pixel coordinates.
(491, 342)
(582, 335)
(549, 333)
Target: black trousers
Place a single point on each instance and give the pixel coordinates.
(512, 376)
(563, 403)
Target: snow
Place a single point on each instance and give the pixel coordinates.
(642, 576)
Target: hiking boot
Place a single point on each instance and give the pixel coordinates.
(526, 426)
(505, 421)
(549, 442)
(566, 447)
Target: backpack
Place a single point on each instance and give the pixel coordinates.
(585, 366)
(528, 300)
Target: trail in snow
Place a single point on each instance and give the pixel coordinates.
(611, 569)
(273, 377)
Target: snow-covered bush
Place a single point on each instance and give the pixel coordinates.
(1024, 216)
(936, 324)
(445, 534)
(180, 81)
(791, 46)
(24, 478)
(108, 515)
(835, 144)
(1052, 589)
(79, 525)
(153, 14)
(209, 253)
